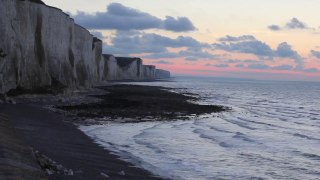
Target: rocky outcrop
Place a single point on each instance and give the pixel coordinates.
(41, 46)
(162, 74)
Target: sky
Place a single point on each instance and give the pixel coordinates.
(270, 40)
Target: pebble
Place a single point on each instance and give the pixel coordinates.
(122, 173)
(11, 101)
(60, 167)
(104, 175)
(70, 172)
(49, 172)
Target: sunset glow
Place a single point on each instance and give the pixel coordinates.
(252, 39)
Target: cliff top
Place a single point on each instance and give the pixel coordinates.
(35, 1)
(107, 55)
(125, 61)
(95, 39)
(150, 66)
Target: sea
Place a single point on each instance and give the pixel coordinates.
(272, 132)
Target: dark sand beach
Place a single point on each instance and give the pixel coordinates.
(64, 143)
(55, 136)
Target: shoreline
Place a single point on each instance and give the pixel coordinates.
(57, 135)
(64, 143)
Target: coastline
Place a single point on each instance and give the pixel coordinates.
(56, 135)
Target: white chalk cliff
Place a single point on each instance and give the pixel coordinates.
(41, 45)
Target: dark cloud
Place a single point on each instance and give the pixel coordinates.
(162, 55)
(120, 17)
(97, 34)
(163, 62)
(259, 66)
(296, 24)
(311, 70)
(240, 65)
(156, 46)
(284, 50)
(240, 61)
(137, 43)
(283, 67)
(191, 59)
(221, 65)
(197, 53)
(262, 66)
(315, 53)
(274, 27)
(217, 65)
(229, 38)
(248, 45)
(180, 24)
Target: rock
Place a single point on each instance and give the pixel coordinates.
(104, 175)
(122, 173)
(49, 172)
(70, 172)
(79, 172)
(59, 167)
(43, 162)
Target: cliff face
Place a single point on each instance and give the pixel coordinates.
(149, 72)
(162, 74)
(42, 44)
(129, 68)
(110, 67)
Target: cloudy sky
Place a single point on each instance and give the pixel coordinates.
(274, 39)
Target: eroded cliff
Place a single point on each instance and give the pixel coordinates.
(42, 47)
(162, 74)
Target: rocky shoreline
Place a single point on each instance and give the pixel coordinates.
(135, 103)
(62, 151)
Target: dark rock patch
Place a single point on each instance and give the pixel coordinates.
(56, 88)
(2, 54)
(126, 61)
(141, 103)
